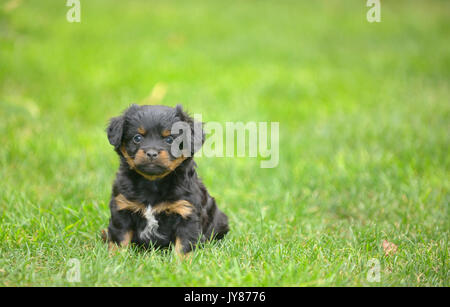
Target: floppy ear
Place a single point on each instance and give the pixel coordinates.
(197, 133)
(115, 131)
(115, 127)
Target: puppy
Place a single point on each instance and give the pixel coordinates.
(157, 198)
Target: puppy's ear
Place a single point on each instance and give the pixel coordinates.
(197, 133)
(116, 126)
(115, 130)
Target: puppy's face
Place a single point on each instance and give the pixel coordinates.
(145, 138)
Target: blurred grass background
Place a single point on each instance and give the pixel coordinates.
(364, 137)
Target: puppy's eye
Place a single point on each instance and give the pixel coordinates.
(137, 138)
(168, 139)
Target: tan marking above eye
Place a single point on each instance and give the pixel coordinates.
(166, 133)
(141, 130)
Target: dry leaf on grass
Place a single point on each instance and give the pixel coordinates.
(389, 248)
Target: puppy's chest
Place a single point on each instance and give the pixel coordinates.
(156, 227)
(154, 219)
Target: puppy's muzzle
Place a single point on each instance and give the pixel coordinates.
(152, 154)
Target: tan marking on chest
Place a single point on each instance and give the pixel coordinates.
(180, 207)
(125, 204)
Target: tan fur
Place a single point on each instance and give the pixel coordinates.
(165, 160)
(112, 247)
(178, 246)
(127, 238)
(127, 157)
(141, 157)
(141, 130)
(132, 165)
(179, 251)
(124, 204)
(180, 207)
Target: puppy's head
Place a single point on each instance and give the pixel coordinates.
(155, 140)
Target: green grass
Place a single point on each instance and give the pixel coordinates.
(364, 137)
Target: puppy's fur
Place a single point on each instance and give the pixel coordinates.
(157, 198)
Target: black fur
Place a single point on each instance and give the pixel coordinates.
(205, 221)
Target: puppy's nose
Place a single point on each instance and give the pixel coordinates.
(152, 154)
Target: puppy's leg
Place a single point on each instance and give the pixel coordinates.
(125, 239)
(217, 225)
(186, 237)
(220, 225)
(120, 229)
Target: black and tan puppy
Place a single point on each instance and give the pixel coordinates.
(157, 197)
